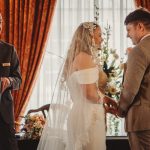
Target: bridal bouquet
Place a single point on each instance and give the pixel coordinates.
(33, 126)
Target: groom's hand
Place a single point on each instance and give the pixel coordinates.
(128, 50)
(110, 105)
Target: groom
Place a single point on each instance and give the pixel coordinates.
(134, 102)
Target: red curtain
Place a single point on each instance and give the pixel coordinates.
(143, 3)
(26, 24)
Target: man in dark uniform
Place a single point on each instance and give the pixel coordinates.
(10, 79)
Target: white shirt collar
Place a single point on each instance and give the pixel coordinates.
(145, 36)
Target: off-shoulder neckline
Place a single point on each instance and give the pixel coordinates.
(83, 70)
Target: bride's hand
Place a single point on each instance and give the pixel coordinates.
(128, 50)
(110, 105)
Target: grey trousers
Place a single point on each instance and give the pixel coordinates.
(139, 140)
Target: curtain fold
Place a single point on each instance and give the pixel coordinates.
(143, 3)
(26, 26)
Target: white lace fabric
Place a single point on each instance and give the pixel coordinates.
(85, 116)
(79, 126)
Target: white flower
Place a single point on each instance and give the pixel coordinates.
(112, 89)
(112, 51)
(89, 25)
(115, 56)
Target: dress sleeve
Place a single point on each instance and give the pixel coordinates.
(87, 76)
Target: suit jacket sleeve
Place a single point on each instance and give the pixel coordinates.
(15, 75)
(136, 66)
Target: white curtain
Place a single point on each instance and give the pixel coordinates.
(68, 15)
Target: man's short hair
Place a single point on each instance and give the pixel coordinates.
(139, 15)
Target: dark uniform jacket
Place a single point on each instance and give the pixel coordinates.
(9, 67)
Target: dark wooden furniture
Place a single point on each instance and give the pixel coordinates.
(113, 143)
(28, 144)
(43, 109)
(117, 143)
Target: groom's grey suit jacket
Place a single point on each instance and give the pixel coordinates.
(134, 102)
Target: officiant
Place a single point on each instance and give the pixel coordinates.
(10, 79)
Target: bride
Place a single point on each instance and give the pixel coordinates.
(76, 119)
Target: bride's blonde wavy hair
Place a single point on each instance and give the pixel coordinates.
(81, 42)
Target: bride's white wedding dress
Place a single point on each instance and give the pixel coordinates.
(86, 121)
(82, 126)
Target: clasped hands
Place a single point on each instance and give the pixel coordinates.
(5, 83)
(110, 106)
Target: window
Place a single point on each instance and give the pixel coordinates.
(68, 15)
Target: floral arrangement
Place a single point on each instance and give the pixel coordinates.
(114, 71)
(112, 67)
(33, 126)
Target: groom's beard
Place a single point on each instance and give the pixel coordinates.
(135, 40)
